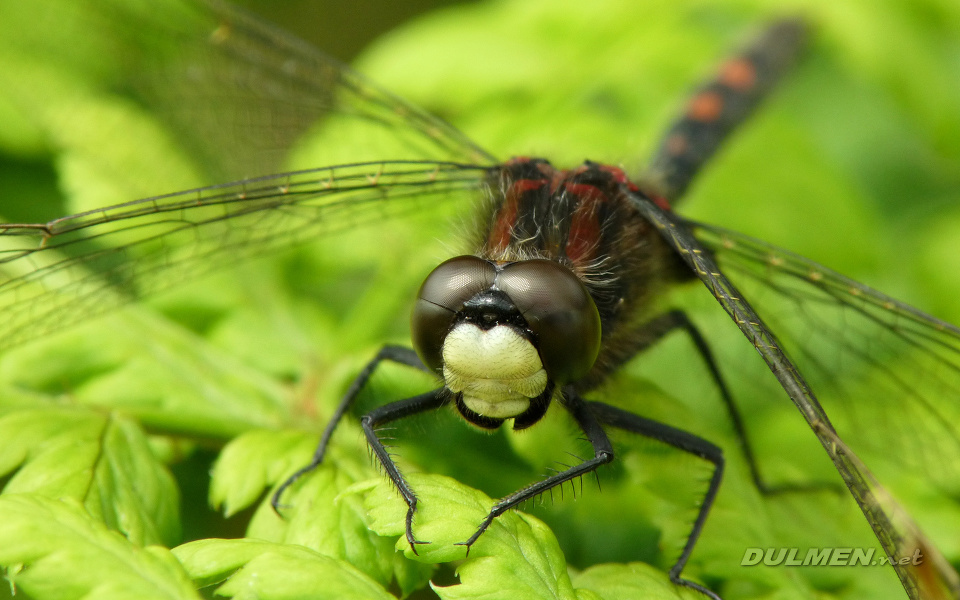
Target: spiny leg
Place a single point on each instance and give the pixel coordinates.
(682, 440)
(603, 453)
(392, 412)
(397, 354)
(656, 329)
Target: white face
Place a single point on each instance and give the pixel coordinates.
(497, 370)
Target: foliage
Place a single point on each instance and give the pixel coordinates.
(110, 430)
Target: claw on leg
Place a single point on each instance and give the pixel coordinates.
(411, 539)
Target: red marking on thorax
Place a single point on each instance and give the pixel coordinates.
(619, 176)
(585, 230)
(584, 236)
(499, 238)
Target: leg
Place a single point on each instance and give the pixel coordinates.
(656, 329)
(682, 440)
(392, 412)
(603, 453)
(397, 354)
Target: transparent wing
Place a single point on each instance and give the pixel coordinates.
(934, 577)
(876, 503)
(240, 93)
(70, 269)
(888, 374)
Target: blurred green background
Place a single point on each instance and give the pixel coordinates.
(855, 163)
(342, 28)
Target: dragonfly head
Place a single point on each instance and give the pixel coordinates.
(505, 336)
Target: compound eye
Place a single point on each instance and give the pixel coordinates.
(559, 311)
(441, 296)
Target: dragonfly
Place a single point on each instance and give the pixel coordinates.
(66, 270)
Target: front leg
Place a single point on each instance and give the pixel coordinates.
(391, 412)
(397, 354)
(602, 450)
(682, 440)
(591, 416)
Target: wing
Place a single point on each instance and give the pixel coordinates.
(240, 96)
(238, 93)
(934, 577)
(875, 502)
(887, 372)
(70, 269)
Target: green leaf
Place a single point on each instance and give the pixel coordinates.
(516, 557)
(102, 462)
(152, 369)
(316, 513)
(53, 549)
(632, 581)
(254, 569)
(253, 462)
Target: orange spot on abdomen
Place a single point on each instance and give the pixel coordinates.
(705, 107)
(738, 74)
